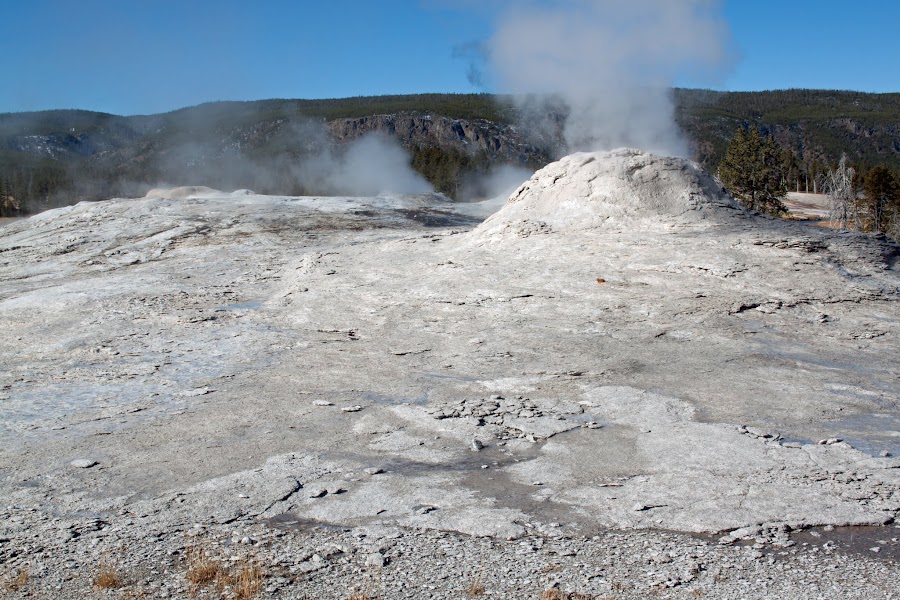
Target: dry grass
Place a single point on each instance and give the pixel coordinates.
(245, 580)
(368, 593)
(201, 567)
(241, 581)
(107, 576)
(18, 581)
(475, 587)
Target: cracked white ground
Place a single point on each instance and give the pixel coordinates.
(629, 348)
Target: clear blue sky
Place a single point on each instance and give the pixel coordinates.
(145, 56)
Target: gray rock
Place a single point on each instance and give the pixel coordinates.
(375, 560)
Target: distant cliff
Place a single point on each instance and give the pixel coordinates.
(497, 142)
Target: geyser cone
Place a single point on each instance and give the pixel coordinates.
(617, 190)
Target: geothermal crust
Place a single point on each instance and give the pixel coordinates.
(620, 347)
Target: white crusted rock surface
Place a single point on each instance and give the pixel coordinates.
(306, 378)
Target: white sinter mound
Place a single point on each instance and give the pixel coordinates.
(624, 188)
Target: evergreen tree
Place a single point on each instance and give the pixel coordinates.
(753, 171)
(882, 196)
(790, 169)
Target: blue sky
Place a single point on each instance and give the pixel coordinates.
(145, 56)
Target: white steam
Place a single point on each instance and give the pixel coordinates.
(373, 164)
(499, 182)
(610, 64)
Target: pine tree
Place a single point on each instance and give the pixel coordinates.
(753, 171)
(790, 169)
(882, 193)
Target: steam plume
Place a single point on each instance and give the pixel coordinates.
(607, 65)
(500, 181)
(373, 164)
(305, 161)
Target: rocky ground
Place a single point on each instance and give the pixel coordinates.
(621, 384)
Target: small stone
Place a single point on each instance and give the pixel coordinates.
(83, 463)
(875, 549)
(375, 560)
(317, 492)
(334, 489)
(726, 540)
(884, 454)
(197, 392)
(350, 409)
(477, 445)
(322, 403)
(373, 470)
(759, 433)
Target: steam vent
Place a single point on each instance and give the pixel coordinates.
(345, 385)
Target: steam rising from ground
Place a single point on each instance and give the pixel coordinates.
(302, 160)
(610, 64)
(498, 182)
(373, 164)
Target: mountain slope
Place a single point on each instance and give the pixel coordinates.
(59, 157)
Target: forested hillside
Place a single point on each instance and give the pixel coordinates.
(817, 126)
(61, 157)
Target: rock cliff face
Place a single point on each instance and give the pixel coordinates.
(501, 143)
